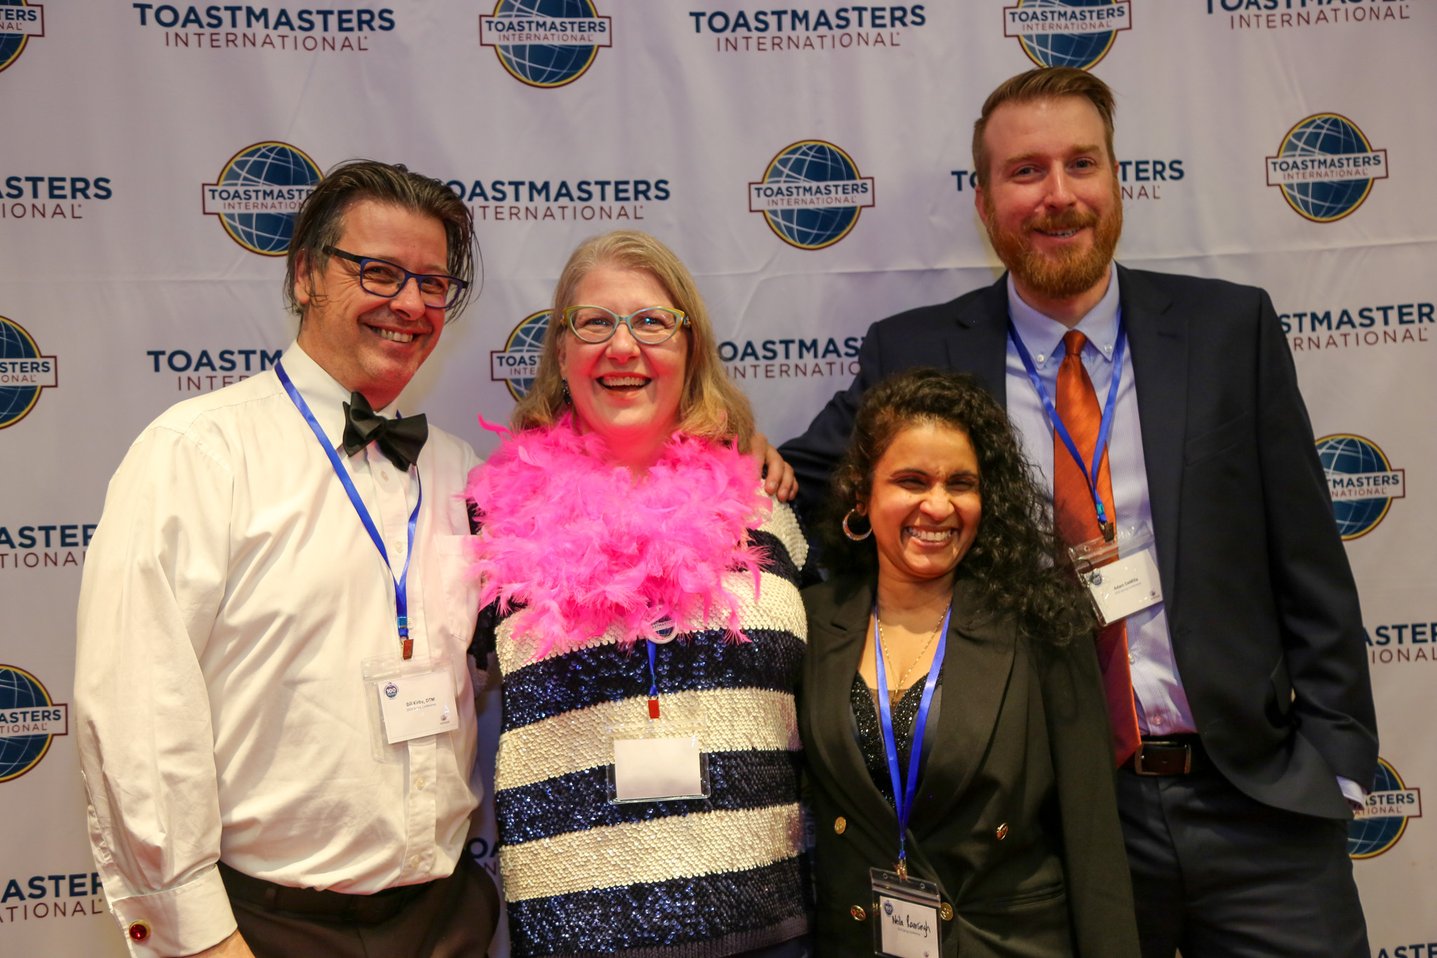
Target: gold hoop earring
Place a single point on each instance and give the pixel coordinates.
(849, 532)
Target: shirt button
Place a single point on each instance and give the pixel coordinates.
(413, 861)
(840, 825)
(420, 782)
(1157, 720)
(384, 476)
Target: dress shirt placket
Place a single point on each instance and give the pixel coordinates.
(395, 494)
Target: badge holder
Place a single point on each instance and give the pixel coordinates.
(654, 761)
(406, 699)
(906, 911)
(1121, 575)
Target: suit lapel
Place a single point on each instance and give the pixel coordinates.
(979, 343)
(977, 665)
(1158, 338)
(836, 658)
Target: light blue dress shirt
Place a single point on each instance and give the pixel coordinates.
(1161, 702)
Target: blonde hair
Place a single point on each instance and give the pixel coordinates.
(710, 406)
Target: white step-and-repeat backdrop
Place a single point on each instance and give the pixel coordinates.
(152, 155)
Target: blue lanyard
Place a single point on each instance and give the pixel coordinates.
(903, 793)
(1105, 427)
(401, 584)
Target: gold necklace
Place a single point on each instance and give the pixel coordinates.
(895, 691)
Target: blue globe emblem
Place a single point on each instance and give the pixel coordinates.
(1354, 456)
(1325, 134)
(812, 161)
(12, 45)
(16, 401)
(266, 165)
(547, 64)
(1079, 50)
(1370, 837)
(20, 753)
(527, 339)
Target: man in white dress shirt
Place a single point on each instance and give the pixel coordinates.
(275, 707)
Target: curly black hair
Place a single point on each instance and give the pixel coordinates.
(1013, 565)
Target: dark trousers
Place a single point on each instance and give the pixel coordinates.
(452, 917)
(1219, 875)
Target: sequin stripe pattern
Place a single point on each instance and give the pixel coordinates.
(683, 878)
(579, 800)
(726, 720)
(699, 918)
(771, 659)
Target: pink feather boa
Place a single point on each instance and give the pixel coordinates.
(585, 545)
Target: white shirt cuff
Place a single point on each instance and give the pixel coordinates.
(177, 921)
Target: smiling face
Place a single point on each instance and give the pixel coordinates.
(368, 343)
(924, 503)
(626, 392)
(1052, 205)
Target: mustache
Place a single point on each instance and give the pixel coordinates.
(1066, 220)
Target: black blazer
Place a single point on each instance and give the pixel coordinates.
(1015, 816)
(1261, 603)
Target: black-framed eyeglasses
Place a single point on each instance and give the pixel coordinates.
(651, 325)
(380, 277)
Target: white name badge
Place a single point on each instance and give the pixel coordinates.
(417, 705)
(1125, 586)
(1121, 575)
(657, 767)
(906, 916)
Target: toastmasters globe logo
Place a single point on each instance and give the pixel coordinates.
(811, 194)
(1325, 167)
(545, 43)
(516, 364)
(807, 28)
(19, 21)
(1362, 482)
(1380, 824)
(258, 194)
(1067, 33)
(24, 372)
(29, 720)
(246, 26)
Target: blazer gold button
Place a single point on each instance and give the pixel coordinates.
(840, 825)
(858, 913)
(946, 912)
(1001, 832)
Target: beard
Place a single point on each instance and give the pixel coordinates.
(1070, 272)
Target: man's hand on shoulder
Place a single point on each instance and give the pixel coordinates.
(778, 477)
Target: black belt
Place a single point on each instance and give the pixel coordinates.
(371, 909)
(1173, 755)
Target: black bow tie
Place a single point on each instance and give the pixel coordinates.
(399, 439)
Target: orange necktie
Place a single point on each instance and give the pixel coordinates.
(1077, 521)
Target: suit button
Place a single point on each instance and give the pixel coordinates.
(840, 825)
(858, 913)
(1001, 832)
(946, 912)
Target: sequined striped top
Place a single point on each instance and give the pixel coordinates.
(714, 876)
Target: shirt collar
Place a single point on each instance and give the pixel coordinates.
(1043, 336)
(322, 392)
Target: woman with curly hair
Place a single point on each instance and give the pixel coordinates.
(951, 708)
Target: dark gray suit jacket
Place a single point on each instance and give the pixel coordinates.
(1260, 599)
